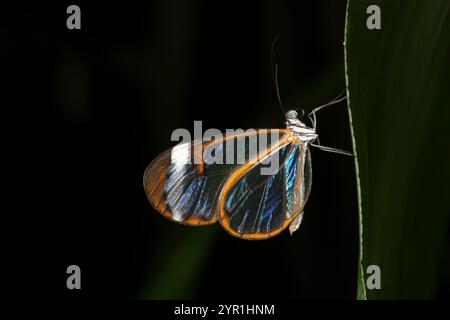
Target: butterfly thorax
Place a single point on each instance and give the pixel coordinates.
(303, 132)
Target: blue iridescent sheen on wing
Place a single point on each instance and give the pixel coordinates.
(261, 203)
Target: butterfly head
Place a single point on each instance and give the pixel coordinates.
(293, 120)
(305, 133)
(291, 114)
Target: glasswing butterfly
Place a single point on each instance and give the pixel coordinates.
(248, 204)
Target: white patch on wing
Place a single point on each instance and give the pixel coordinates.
(181, 155)
(295, 224)
(177, 215)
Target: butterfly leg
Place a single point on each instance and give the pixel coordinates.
(334, 150)
(318, 141)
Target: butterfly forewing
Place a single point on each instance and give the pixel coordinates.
(187, 191)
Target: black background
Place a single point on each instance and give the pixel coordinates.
(84, 112)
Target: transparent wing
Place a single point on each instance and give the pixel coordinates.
(256, 206)
(187, 191)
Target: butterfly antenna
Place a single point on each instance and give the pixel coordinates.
(339, 98)
(274, 68)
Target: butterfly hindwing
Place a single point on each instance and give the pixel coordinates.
(256, 206)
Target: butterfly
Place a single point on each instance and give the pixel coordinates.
(250, 204)
(247, 203)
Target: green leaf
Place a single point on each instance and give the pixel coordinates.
(399, 105)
